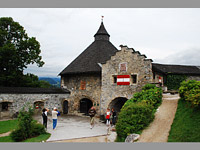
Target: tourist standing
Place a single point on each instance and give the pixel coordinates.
(114, 116)
(44, 116)
(108, 117)
(92, 113)
(54, 117)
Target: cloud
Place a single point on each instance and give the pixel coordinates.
(185, 57)
(65, 32)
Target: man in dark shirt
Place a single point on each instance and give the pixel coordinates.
(92, 113)
(114, 117)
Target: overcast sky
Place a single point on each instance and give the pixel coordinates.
(165, 35)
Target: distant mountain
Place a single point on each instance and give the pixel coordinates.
(54, 81)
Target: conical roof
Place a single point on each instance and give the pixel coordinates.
(102, 30)
(98, 52)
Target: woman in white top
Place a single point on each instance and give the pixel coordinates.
(54, 117)
(108, 117)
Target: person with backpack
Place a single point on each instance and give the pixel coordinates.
(92, 113)
(54, 117)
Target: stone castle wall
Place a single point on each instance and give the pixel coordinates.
(17, 101)
(193, 78)
(136, 65)
(82, 86)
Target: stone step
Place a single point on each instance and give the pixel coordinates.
(169, 96)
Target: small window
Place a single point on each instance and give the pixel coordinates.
(4, 106)
(134, 79)
(114, 79)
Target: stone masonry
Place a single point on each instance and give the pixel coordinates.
(17, 101)
(82, 86)
(137, 64)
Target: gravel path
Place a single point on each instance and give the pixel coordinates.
(158, 130)
(5, 134)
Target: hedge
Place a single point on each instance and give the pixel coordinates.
(190, 91)
(133, 118)
(27, 127)
(150, 94)
(138, 112)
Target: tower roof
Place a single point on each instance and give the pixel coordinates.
(98, 52)
(102, 30)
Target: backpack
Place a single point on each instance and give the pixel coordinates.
(58, 113)
(91, 112)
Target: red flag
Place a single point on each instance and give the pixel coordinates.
(123, 80)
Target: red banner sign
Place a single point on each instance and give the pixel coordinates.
(123, 80)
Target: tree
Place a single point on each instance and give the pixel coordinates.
(17, 50)
(45, 84)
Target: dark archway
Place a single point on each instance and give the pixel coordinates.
(65, 107)
(117, 103)
(5, 109)
(85, 105)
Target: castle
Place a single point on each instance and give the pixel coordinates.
(101, 76)
(104, 76)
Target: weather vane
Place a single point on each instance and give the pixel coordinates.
(102, 18)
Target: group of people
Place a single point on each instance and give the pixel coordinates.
(55, 114)
(110, 116)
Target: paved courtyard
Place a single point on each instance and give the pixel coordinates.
(74, 127)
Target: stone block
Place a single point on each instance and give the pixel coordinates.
(131, 138)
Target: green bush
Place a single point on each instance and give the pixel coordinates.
(27, 127)
(18, 135)
(37, 129)
(138, 112)
(133, 118)
(150, 95)
(187, 86)
(193, 96)
(24, 122)
(190, 91)
(148, 86)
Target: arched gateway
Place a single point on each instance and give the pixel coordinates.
(38, 105)
(85, 105)
(117, 103)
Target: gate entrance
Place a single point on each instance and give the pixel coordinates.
(117, 103)
(85, 105)
(5, 109)
(65, 107)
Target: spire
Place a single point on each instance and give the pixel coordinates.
(102, 34)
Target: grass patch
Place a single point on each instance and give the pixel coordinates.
(40, 138)
(6, 139)
(6, 126)
(186, 125)
(9, 125)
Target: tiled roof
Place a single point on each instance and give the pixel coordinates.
(28, 90)
(176, 69)
(98, 52)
